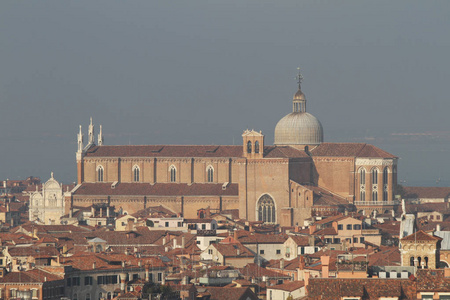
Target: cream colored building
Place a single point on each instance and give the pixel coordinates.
(47, 206)
(284, 183)
(421, 250)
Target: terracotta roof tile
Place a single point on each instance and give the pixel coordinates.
(158, 189)
(421, 236)
(426, 192)
(289, 286)
(350, 149)
(165, 151)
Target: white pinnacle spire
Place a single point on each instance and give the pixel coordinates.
(100, 137)
(80, 141)
(91, 133)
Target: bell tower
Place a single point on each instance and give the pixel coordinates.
(253, 143)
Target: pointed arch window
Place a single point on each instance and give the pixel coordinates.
(100, 173)
(375, 176)
(362, 184)
(249, 147)
(256, 147)
(136, 173)
(374, 184)
(210, 174)
(385, 184)
(173, 173)
(266, 209)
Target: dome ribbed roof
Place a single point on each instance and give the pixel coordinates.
(298, 128)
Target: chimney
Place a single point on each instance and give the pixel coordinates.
(346, 212)
(325, 266)
(164, 240)
(147, 272)
(174, 243)
(301, 263)
(393, 213)
(183, 241)
(306, 280)
(35, 231)
(122, 281)
(312, 228)
(235, 236)
(438, 227)
(8, 209)
(185, 280)
(4, 184)
(238, 252)
(92, 211)
(94, 265)
(282, 264)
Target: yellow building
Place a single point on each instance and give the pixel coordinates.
(283, 183)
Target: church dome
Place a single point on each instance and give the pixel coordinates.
(298, 128)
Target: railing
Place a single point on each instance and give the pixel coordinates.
(371, 203)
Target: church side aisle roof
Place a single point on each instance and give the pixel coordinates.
(188, 151)
(350, 149)
(158, 189)
(165, 151)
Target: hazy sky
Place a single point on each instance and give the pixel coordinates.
(201, 72)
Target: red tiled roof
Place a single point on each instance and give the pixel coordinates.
(165, 151)
(320, 288)
(289, 286)
(421, 236)
(350, 149)
(426, 192)
(231, 250)
(158, 189)
(226, 293)
(188, 151)
(32, 276)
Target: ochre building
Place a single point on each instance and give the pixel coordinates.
(285, 183)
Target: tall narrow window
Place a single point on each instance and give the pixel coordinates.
(266, 209)
(249, 147)
(210, 174)
(375, 176)
(362, 184)
(100, 172)
(173, 174)
(385, 184)
(256, 147)
(374, 184)
(136, 173)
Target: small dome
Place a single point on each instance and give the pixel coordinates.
(298, 128)
(299, 95)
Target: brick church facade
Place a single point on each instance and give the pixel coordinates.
(285, 183)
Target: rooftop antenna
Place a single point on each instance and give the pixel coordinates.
(299, 78)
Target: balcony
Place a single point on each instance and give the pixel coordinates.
(376, 203)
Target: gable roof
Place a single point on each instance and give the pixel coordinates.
(426, 192)
(350, 150)
(421, 236)
(188, 151)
